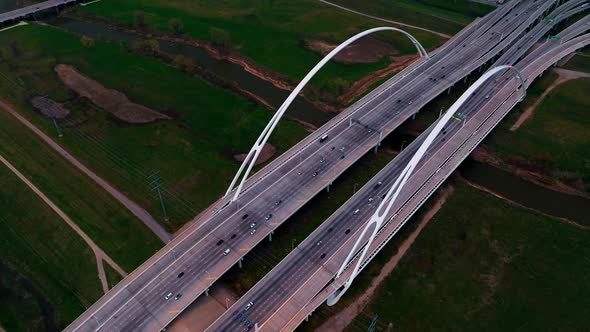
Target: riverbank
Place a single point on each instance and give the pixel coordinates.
(327, 100)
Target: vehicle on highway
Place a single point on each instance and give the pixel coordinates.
(219, 242)
(180, 274)
(319, 243)
(268, 217)
(167, 297)
(248, 306)
(323, 138)
(378, 184)
(370, 199)
(323, 255)
(252, 225)
(356, 211)
(278, 202)
(314, 174)
(226, 252)
(233, 236)
(253, 231)
(245, 216)
(177, 296)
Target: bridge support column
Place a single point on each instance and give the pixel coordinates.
(207, 291)
(328, 187)
(269, 237)
(449, 90)
(414, 116)
(240, 262)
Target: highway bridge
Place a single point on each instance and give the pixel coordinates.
(306, 278)
(221, 236)
(31, 12)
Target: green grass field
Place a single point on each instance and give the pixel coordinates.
(484, 265)
(272, 33)
(126, 239)
(443, 16)
(47, 272)
(193, 152)
(580, 62)
(555, 139)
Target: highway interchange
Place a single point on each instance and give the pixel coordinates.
(274, 300)
(193, 261)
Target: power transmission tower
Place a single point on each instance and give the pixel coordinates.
(373, 324)
(155, 184)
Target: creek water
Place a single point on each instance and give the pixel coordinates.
(299, 109)
(574, 208)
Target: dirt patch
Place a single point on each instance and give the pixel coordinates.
(204, 311)
(362, 85)
(366, 50)
(110, 100)
(267, 152)
(49, 108)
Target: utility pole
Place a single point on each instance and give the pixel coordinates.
(49, 105)
(373, 324)
(155, 184)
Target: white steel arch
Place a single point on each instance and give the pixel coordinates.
(252, 156)
(383, 210)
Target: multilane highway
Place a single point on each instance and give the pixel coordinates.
(294, 288)
(194, 260)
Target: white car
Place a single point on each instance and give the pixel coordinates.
(356, 211)
(226, 252)
(168, 296)
(253, 231)
(248, 306)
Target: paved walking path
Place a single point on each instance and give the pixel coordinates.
(98, 252)
(138, 211)
(386, 20)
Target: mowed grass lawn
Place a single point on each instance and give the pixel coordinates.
(47, 272)
(272, 33)
(556, 138)
(193, 152)
(111, 226)
(484, 265)
(438, 15)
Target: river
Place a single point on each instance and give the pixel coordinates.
(574, 208)
(299, 109)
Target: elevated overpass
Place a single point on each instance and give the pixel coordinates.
(306, 278)
(195, 259)
(30, 12)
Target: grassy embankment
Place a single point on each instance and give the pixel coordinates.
(443, 16)
(555, 140)
(48, 273)
(484, 264)
(193, 152)
(271, 33)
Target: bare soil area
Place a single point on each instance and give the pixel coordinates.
(366, 50)
(204, 311)
(267, 152)
(110, 100)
